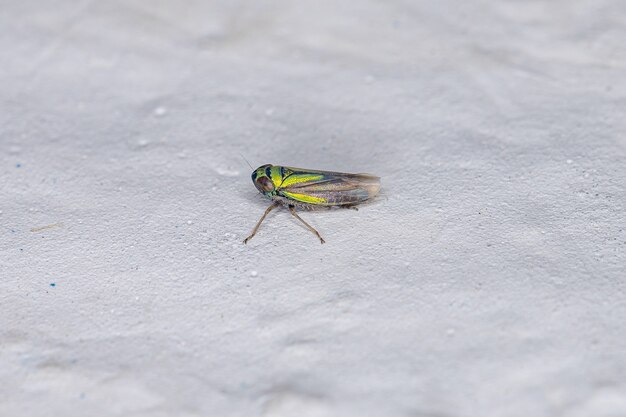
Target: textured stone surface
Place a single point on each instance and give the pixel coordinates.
(488, 280)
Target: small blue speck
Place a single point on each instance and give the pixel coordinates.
(18, 165)
(53, 284)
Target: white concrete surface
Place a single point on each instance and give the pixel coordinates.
(489, 280)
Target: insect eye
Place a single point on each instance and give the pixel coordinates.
(265, 184)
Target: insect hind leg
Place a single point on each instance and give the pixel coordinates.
(350, 207)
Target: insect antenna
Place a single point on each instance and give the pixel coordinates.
(244, 158)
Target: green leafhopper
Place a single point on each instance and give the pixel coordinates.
(311, 189)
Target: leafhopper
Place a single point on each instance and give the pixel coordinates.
(310, 189)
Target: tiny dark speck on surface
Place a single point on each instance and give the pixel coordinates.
(53, 284)
(18, 165)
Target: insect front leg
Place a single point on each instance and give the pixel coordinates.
(292, 209)
(270, 208)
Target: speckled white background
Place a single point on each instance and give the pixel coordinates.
(489, 280)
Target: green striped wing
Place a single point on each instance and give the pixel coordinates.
(327, 188)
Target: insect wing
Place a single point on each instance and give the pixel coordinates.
(328, 188)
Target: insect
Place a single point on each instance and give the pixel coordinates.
(310, 189)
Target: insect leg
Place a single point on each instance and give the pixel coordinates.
(270, 208)
(292, 209)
